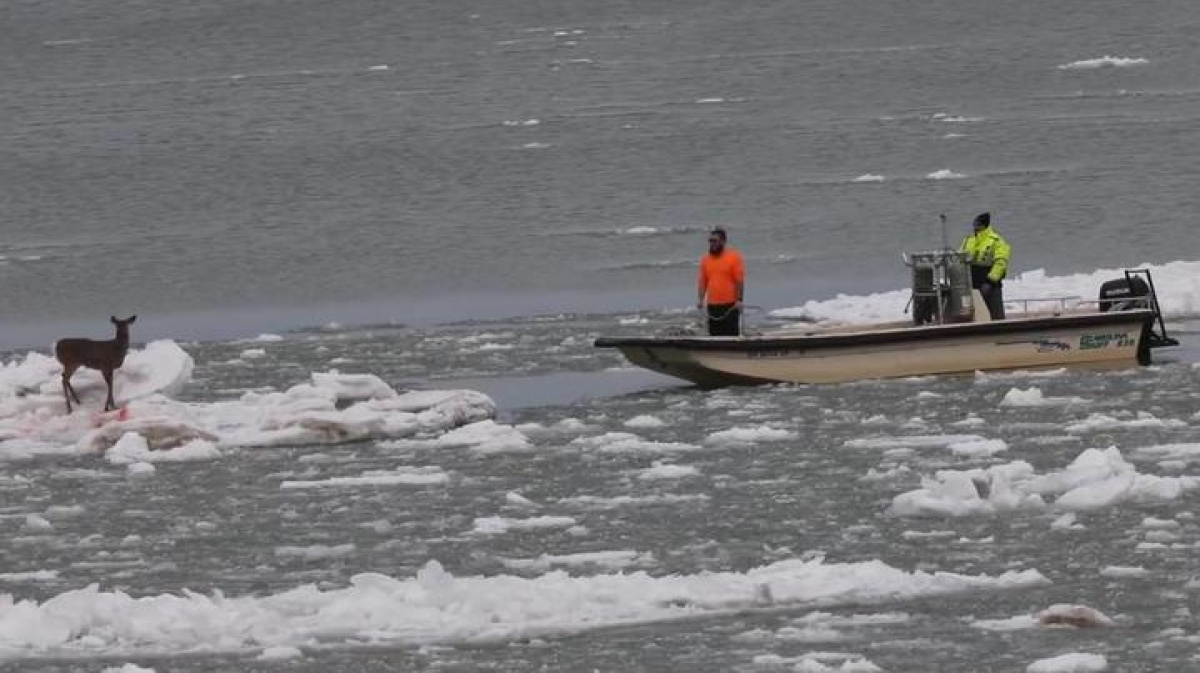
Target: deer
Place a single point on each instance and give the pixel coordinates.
(105, 356)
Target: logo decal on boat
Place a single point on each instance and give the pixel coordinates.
(1089, 342)
(1042, 345)
(1048, 346)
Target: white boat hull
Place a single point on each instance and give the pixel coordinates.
(1098, 340)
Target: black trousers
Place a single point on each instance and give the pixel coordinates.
(724, 320)
(994, 299)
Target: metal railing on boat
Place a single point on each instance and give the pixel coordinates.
(1061, 301)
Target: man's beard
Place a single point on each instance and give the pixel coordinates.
(716, 248)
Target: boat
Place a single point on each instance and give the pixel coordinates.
(950, 332)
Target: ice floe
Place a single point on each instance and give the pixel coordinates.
(486, 436)
(404, 476)
(1105, 61)
(1094, 480)
(437, 607)
(612, 560)
(1075, 662)
(1103, 422)
(1033, 397)
(659, 471)
(625, 442)
(749, 435)
(913, 441)
(945, 174)
(154, 427)
(645, 421)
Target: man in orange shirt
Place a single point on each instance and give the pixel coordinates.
(721, 283)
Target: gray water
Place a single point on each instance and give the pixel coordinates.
(217, 525)
(224, 168)
(223, 165)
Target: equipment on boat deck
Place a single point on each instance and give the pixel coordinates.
(941, 287)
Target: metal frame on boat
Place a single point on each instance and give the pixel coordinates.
(950, 333)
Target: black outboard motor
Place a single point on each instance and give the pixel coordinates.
(1124, 294)
(1136, 291)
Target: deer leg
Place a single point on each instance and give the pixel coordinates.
(67, 390)
(109, 404)
(71, 388)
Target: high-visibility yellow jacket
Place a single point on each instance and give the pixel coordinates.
(989, 250)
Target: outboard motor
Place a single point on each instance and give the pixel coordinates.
(1136, 291)
(1124, 294)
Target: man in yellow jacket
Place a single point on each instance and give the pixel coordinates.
(989, 253)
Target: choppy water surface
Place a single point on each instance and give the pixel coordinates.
(165, 159)
(646, 477)
(228, 168)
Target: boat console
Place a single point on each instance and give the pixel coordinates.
(941, 287)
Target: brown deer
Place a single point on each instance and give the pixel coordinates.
(105, 356)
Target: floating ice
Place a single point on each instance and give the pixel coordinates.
(1185, 451)
(1094, 480)
(498, 525)
(31, 576)
(614, 502)
(317, 552)
(1177, 285)
(624, 442)
(645, 421)
(912, 441)
(981, 447)
(33, 419)
(869, 177)
(280, 653)
(404, 476)
(133, 448)
(1124, 571)
(749, 435)
(1102, 422)
(955, 119)
(1033, 397)
(945, 174)
(1105, 61)
(1070, 663)
(140, 469)
(34, 385)
(820, 662)
(353, 386)
(518, 500)
(666, 471)
(437, 607)
(612, 560)
(486, 436)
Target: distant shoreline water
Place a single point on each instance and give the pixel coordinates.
(246, 322)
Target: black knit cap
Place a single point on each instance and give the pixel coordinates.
(983, 218)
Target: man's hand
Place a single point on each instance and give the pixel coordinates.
(737, 305)
(985, 288)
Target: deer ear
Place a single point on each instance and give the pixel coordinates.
(132, 318)
(113, 318)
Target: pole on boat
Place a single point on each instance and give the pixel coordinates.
(940, 273)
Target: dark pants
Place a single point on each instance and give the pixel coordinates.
(994, 299)
(724, 320)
